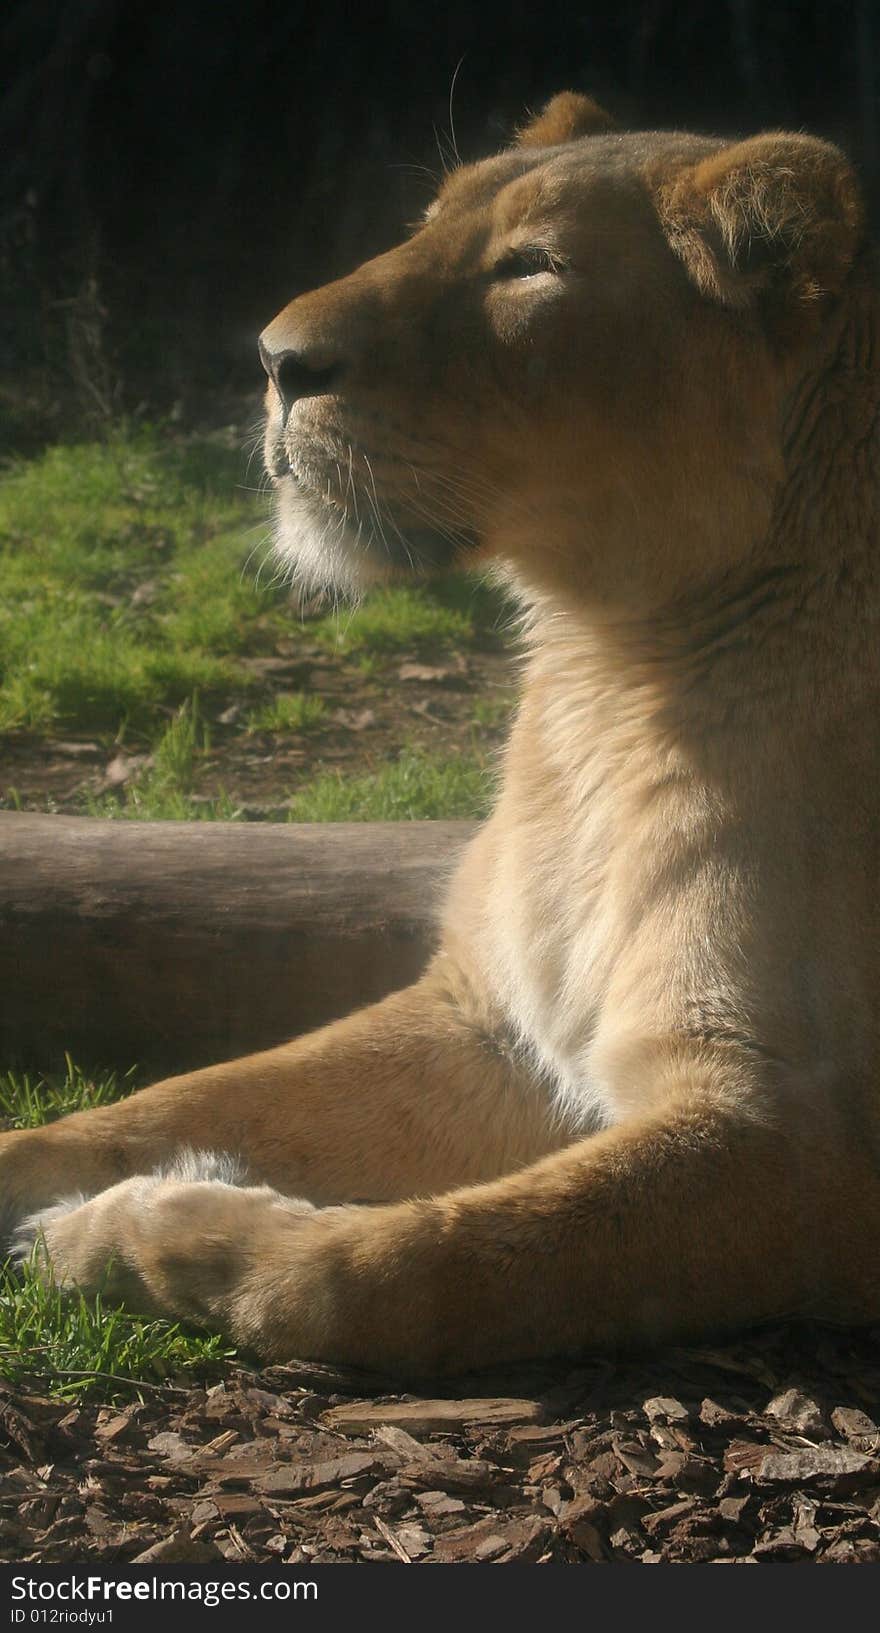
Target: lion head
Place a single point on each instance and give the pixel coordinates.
(576, 363)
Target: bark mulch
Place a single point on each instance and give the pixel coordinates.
(762, 1452)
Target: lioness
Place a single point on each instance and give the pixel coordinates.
(636, 1095)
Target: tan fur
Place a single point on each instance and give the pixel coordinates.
(635, 1096)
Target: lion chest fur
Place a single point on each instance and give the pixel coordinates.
(627, 888)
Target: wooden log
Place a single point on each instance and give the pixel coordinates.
(172, 944)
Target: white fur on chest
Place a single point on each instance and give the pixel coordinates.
(596, 849)
(550, 940)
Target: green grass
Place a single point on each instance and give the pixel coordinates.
(163, 790)
(412, 787)
(124, 584)
(289, 711)
(447, 611)
(394, 619)
(79, 1345)
(28, 1100)
(490, 713)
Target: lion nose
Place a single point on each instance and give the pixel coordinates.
(296, 374)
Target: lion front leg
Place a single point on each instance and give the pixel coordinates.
(411, 1096)
(692, 1220)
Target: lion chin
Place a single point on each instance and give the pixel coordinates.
(320, 549)
(323, 550)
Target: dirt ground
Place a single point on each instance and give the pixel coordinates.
(763, 1452)
(423, 699)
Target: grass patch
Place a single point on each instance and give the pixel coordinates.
(289, 711)
(393, 619)
(123, 583)
(451, 611)
(413, 787)
(163, 791)
(81, 1345)
(77, 1344)
(491, 713)
(28, 1100)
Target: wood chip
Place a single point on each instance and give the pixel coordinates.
(310, 1477)
(439, 1504)
(798, 1414)
(579, 1522)
(179, 1548)
(733, 1508)
(666, 1409)
(778, 1545)
(430, 1416)
(203, 1512)
(113, 1428)
(408, 1449)
(394, 1544)
(664, 1519)
(172, 1446)
(856, 1427)
(452, 1473)
(863, 1551)
(16, 1430)
(520, 1541)
(742, 1456)
(415, 1539)
(524, 1442)
(716, 1416)
(221, 1442)
(635, 1458)
(812, 1463)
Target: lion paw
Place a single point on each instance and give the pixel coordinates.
(78, 1238)
(179, 1241)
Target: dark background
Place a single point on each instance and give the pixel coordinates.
(174, 173)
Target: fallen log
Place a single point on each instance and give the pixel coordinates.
(172, 944)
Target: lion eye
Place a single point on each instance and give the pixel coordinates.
(526, 263)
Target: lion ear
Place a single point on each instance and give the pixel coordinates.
(776, 215)
(565, 117)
